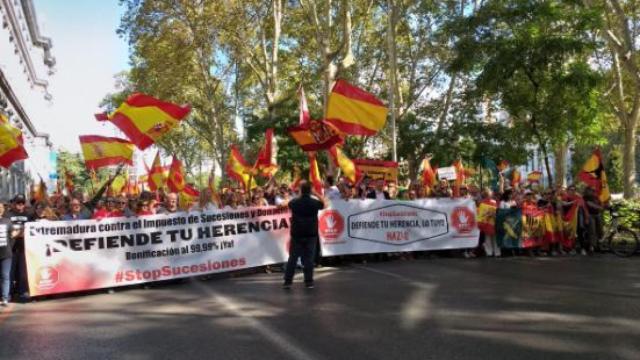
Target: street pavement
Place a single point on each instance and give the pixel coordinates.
(443, 308)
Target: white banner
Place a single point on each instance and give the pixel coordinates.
(65, 256)
(447, 173)
(373, 226)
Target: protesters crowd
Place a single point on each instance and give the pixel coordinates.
(558, 203)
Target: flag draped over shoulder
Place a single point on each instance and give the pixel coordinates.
(100, 151)
(533, 226)
(156, 176)
(314, 173)
(238, 169)
(487, 216)
(355, 111)
(348, 167)
(594, 176)
(315, 135)
(145, 119)
(11, 143)
(267, 163)
(176, 181)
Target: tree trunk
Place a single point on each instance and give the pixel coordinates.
(392, 75)
(628, 160)
(560, 154)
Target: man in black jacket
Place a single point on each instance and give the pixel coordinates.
(304, 234)
(19, 216)
(6, 251)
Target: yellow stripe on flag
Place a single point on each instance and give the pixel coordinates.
(356, 113)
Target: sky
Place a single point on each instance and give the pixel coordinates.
(88, 54)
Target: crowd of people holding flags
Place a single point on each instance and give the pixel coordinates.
(510, 215)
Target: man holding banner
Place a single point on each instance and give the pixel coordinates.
(304, 234)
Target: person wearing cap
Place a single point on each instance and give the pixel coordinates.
(19, 216)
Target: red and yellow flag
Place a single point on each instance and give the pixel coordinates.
(68, 181)
(355, 111)
(100, 151)
(304, 116)
(157, 177)
(145, 119)
(594, 176)
(11, 143)
(428, 174)
(534, 177)
(118, 185)
(39, 191)
(188, 196)
(176, 181)
(213, 192)
(238, 169)
(315, 135)
(314, 173)
(461, 176)
(348, 167)
(516, 178)
(487, 216)
(267, 163)
(503, 165)
(295, 183)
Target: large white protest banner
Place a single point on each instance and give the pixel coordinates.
(373, 226)
(66, 256)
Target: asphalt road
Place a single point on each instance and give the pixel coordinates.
(514, 308)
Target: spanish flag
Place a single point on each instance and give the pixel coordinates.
(157, 176)
(100, 151)
(461, 176)
(594, 176)
(267, 163)
(355, 111)
(534, 177)
(295, 183)
(238, 169)
(175, 181)
(314, 173)
(11, 143)
(188, 197)
(348, 167)
(428, 174)
(516, 177)
(213, 192)
(39, 191)
(68, 181)
(118, 184)
(315, 135)
(145, 119)
(503, 165)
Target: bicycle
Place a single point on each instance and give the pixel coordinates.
(618, 238)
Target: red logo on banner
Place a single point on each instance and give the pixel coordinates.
(463, 220)
(331, 225)
(47, 277)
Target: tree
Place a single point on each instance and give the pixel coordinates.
(533, 56)
(620, 27)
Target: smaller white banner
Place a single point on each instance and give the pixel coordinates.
(447, 173)
(372, 226)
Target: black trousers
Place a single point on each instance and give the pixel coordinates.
(304, 248)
